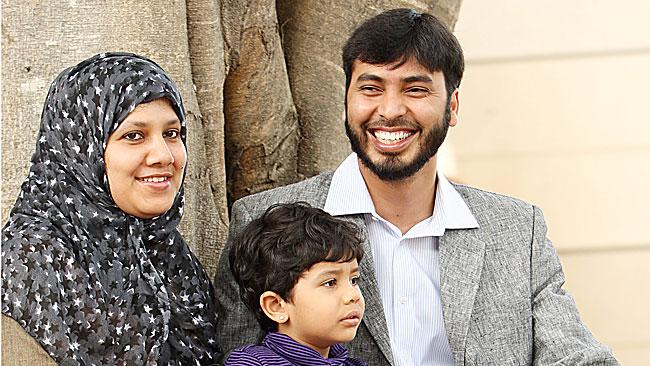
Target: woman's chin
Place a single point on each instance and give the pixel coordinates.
(149, 211)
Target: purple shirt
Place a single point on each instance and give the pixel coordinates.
(281, 350)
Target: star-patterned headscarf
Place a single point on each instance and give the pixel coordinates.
(91, 283)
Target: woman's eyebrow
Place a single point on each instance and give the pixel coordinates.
(142, 124)
(173, 121)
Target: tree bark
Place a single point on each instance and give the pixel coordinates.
(208, 224)
(261, 122)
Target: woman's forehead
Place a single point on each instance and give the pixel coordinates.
(158, 111)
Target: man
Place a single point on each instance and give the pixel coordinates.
(453, 275)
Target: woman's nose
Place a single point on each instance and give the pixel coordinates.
(159, 153)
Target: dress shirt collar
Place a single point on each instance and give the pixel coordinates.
(348, 195)
(299, 354)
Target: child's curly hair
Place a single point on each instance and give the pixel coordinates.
(275, 249)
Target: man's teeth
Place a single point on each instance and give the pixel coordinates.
(154, 179)
(388, 137)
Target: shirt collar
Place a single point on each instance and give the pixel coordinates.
(348, 195)
(299, 354)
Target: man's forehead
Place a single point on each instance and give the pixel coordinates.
(401, 69)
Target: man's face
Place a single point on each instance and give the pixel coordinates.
(397, 117)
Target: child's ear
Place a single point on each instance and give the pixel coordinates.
(274, 307)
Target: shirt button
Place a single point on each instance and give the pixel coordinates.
(403, 300)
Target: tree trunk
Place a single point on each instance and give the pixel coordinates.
(205, 222)
(262, 84)
(261, 120)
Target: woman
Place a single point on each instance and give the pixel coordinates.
(94, 267)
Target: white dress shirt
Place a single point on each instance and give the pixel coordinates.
(406, 265)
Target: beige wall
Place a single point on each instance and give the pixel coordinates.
(555, 109)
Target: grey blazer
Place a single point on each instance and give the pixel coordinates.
(501, 287)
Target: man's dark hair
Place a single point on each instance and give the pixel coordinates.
(399, 35)
(274, 250)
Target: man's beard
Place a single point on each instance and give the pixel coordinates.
(393, 168)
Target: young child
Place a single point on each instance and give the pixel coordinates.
(297, 270)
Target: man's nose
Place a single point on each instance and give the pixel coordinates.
(159, 152)
(391, 106)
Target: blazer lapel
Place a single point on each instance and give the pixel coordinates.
(374, 316)
(461, 263)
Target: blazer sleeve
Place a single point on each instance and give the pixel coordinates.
(19, 348)
(236, 325)
(560, 337)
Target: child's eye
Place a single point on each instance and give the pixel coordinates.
(329, 283)
(355, 280)
(172, 134)
(133, 136)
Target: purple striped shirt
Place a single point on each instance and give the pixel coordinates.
(281, 350)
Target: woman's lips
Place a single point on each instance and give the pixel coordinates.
(156, 182)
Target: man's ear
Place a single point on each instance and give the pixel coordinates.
(274, 306)
(454, 108)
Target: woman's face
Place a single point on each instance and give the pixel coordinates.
(145, 158)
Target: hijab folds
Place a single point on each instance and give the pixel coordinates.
(91, 283)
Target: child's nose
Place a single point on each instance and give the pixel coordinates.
(353, 295)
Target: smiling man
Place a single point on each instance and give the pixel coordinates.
(453, 275)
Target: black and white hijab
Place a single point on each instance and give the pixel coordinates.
(92, 284)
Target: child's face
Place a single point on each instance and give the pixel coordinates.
(326, 305)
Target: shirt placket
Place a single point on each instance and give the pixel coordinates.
(402, 299)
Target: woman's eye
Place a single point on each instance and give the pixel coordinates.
(355, 280)
(172, 134)
(329, 283)
(133, 136)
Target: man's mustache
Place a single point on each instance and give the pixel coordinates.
(395, 122)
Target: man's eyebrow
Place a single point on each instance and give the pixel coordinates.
(417, 78)
(369, 77)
